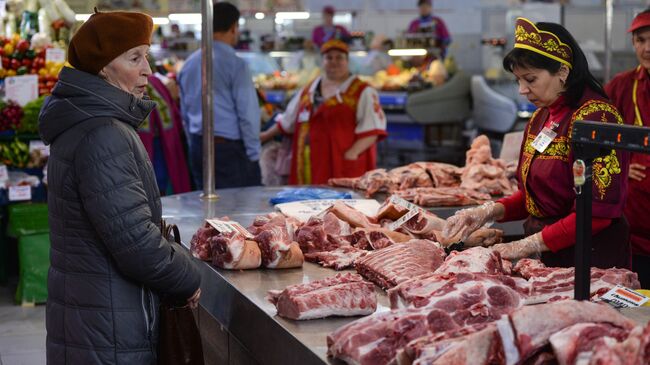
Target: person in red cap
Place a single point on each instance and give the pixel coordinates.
(328, 30)
(335, 122)
(553, 73)
(428, 23)
(110, 264)
(630, 92)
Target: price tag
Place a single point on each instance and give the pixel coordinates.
(21, 192)
(413, 211)
(36, 145)
(21, 89)
(228, 227)
(56, 55)
(622, 297)
(4, 174)
(544, 139)
(303, 210)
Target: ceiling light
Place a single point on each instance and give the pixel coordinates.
(292, 15)
(186, 18)
(259, 16)
(408, 52)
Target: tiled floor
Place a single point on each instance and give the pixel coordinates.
(22, 331)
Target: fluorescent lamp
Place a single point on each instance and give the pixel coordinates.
(186, 18)
(343, 18)
(242, 22)
(292, 15)
(161, 21)
(259, 16)
(279, 54)
(360, 53)
(408, 52)
(81, 17)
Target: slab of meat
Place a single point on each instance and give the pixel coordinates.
(474, 260)
(278, 250)
(341, 295)
(429, 226)
(390, 211)
(313, 235)
(344, 182)
(350, 215)
(410, 176)
(583, 337)
(200, 243)
(339, 259)
(232, 251)
(635, 350)
(443, 196)
(376, 181)
(263, 221)
(442, 174)
(397, 263)
(553, 283)
(489, 179)
(471, 298)
(533, 325)
(374, 340)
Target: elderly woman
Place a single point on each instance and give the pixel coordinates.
(109, 261)
(553, 73)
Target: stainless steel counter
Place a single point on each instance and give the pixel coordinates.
(236, 299)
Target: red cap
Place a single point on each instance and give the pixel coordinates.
(334, 44)
(329, 10)
(640, 21)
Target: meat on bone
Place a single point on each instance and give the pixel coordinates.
(474, 260)
(392, 265)
(341, 258)
(570, 342)
(352, 216)
(233, 251)
(313, 235)
(200, 243)
(341, 295)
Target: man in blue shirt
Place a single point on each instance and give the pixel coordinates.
(236, 108)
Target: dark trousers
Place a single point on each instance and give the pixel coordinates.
(641, 265)
(232, 168)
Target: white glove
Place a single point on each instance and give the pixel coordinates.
(466, 221)
(531, 245)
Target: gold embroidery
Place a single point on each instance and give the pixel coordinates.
(550, 45)
(604, 169)
(558, 148)
(595, 106)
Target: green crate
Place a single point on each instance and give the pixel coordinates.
(27, 218)
(34, 261)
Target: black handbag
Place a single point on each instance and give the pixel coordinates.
(179, 340)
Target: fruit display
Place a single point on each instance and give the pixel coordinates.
(29, 121)
(277, 81)
(15, 153)
(11, 115)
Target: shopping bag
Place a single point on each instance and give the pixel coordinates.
(179, 339)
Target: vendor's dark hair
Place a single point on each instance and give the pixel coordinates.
(579, 75)
(224, 16)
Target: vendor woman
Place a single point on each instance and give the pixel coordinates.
(552, 72)
(335, 121)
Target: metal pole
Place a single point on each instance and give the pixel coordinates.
(563, 14)
(207, 100)
(583, 230)
(609, 13)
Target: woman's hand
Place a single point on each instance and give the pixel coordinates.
(637, 172)
(526, 247)
(193, 301)
(350, 155)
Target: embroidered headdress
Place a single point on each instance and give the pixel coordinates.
(527, 36)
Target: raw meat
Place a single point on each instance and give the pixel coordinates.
(350, 215)
(486, 179)
(313, 235)
(474, 260)
(232, 251)
(341, 295)
(635, 350)
(339, 259)
(278, 250)
(397, 263)
(554, 283)
(410, 176)
(583, 337)
(442, 174)
(472, 298)
(429, 226)
(533, 325)
(200, 243)
(390, 211)
(443, 196)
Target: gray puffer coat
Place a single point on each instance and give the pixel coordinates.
(109, 262)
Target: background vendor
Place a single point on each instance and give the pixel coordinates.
(630, 92)
(335, 122)
(328, 31)
(553, 74)
(429, 23)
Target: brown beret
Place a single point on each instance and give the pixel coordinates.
(105, 36)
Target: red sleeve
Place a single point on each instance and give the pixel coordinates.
(515, 205)
(443, 33)
(562, 234)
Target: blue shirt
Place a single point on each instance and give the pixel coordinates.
(236, 108)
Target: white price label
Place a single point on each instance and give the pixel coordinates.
(36, 145)
(303, 210)
(4, 174)
(56, 55)
(228, 227)
(622, 297)
(413, 211)
(21, 89)
(21, 192)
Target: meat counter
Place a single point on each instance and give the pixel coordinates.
(238, 324)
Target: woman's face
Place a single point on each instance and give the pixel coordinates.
(540, 86)
(129, 71)
(336, 65)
